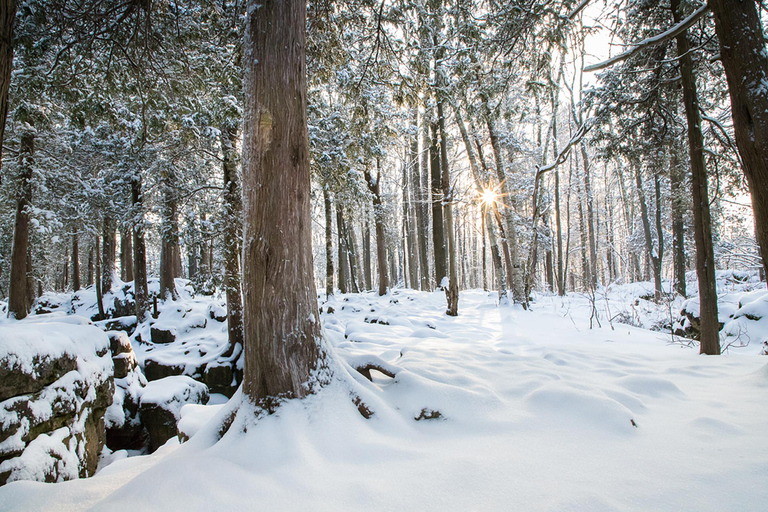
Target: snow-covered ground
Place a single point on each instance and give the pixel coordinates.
(520, 410)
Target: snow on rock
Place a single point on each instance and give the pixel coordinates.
(161, 402)
(56, 382)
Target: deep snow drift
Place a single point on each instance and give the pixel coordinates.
(519, 410)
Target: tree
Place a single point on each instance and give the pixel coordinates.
(280, 317)
(744, 58)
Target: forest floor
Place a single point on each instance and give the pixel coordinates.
(496, 409)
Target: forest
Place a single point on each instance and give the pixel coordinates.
(245, 241)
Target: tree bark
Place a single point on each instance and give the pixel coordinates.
(653, 252)
(367, 267)
(438, 228)
(374, 185)
(18, 295)
(99, 283)
(452, 291)
(89, 278)
(343, 250)
(742, 52)
(702, 222)
(126, 255)
(677, 186)
(108, 253)
(282, 325)
(169, 245)
(140, 291)
(233, 210)
(7, 20)
(328, 206)
(75, 264)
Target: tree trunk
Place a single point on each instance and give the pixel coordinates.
(7, 20)
(409, 214)
(653, 252)
(343, 250)
(510, 233)
(742, 52)
(438, 228)
(233, 211)
(677, 185)
(18, 295)
(99, 283)
(282, 325)
(140, 290)
(75, 264)
(590, 218)
(705, 258)
(108, 254)
(452, 291)
(90, 267)
(328, 242)
(367, 270)
(420, 179)
(169, 245)
(374, 185)
(126, 255)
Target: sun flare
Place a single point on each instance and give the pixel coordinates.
(488, 197)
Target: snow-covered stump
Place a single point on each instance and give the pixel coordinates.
(56, 382)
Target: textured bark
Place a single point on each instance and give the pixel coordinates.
(367, 267)
(139, 251)
(438, 229)
(343, 251)
(420, 180)
(99, 283)
(89, 278)
(677, 185)
(75, 264)
(18, 295)
(328, 242)
(169, 245)
(108, 253)
(409, 214)
(126, 255)
(702, 222)
(452, 291)
(282, 328)
(593, 280)
(233, 210)
(744, 58)
(374, 186)
(355, 274)
(7, 19)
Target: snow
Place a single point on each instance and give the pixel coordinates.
(532, 410)
(172, 393)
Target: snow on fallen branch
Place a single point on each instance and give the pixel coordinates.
(652, 41)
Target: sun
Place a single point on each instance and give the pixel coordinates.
(488, 197)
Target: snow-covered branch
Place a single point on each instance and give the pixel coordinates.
(652, 41)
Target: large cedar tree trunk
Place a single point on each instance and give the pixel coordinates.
(233, 209)
(452, 291)
(126, 255)
(7, 19)
(18, 302)
(281, 321)
(702, 222)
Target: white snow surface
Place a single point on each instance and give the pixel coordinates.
(537, 412)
